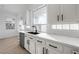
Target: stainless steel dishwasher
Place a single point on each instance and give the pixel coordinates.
(21, 37)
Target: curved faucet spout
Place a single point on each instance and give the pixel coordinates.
(35, 28)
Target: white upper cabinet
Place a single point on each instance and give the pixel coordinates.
(53, 13)
(77, 12)
(68, 12)
(61, 12)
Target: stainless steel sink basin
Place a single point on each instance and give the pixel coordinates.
(33, 33)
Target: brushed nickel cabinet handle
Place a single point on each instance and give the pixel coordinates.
(62, 17)
(57, 17)
(43, 50)
(52, 46)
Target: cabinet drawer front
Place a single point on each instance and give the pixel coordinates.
(30, 36)
(55, 46)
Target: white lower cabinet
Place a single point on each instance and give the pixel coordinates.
(48, 47)
(40, 46)
(37, 45)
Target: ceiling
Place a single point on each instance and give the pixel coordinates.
(18, 8)
(14, 8)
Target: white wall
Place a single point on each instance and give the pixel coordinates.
(12, 11)
(4, 33)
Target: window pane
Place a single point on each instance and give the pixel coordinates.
(40, 19)
(54, 26)
(65, 26)
(43, 28)
(74, 27)
(40, 16)
(59, 26)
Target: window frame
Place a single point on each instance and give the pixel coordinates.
(40, 25)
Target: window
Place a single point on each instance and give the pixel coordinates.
(54, 26)
(59, 26)
(43, 28)
(65, 26)
(74, 27)
(40, 18)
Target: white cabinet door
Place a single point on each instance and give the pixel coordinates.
(51, 51)
(77, 12)
(68, 12)
(70, 50)
(40, 46)
(53, 13)
(63, 12)
(32, 45)
(40, 49)
(26, 43)
(67, 50)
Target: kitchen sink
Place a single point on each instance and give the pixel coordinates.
(33, 33)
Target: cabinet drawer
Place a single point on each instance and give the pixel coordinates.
(30, 36)
(54, 46)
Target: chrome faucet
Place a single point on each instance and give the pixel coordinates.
(35, 28)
